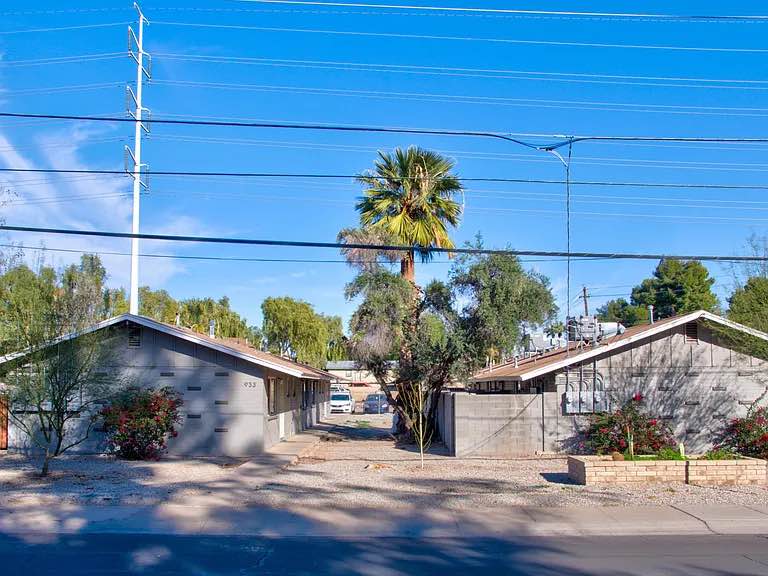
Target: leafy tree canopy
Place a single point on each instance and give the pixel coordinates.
(501, 297)
(292, 327)
(436, 339)
(623, 312)
(748, 304)
(677, 287)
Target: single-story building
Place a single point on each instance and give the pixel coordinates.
(351, 373)
(687, 372)
(237, 399)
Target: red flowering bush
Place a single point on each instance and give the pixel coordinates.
(627, 429)
(139, 422)
(747, 436)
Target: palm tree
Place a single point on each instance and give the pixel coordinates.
(410, 195)
(368, 259)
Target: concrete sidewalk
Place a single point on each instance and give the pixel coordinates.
(177, 519)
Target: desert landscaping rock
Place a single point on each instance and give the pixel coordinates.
(362, 470)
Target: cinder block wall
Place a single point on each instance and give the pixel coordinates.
(499, 425)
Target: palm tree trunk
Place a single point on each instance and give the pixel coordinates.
(408, 267)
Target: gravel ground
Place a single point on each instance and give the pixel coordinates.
(356, 465)
(104, 479)
(366, 469)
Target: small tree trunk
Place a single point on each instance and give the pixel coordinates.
(46, 463)
(422, 418)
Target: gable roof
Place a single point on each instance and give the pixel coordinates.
(232, 346)
(527, 368)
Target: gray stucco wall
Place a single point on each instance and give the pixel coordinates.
(225, 410)
(694, 385)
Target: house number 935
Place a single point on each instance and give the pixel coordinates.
(251, 384)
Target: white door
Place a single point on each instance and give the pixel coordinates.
(281, 425)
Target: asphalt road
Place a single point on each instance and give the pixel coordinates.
(106, 554)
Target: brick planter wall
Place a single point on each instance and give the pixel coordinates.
(712, 472)
(604, 470)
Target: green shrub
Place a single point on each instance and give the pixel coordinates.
(719, 454)
(747, 436)
(139, 422)
(669, 453)
(627, 429)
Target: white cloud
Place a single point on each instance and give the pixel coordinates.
(89, 202)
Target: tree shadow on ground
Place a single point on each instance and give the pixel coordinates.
(228, 527)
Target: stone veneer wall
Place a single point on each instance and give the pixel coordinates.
(604, 470)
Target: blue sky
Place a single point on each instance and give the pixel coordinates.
(227, 70)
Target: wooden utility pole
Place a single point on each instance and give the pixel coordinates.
(586, 302)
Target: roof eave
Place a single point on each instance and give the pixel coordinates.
(651, 331)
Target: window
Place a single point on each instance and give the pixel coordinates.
(272, 395)
(134, 336)
(692, 332)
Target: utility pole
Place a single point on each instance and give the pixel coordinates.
(586, 303)
(133, 165)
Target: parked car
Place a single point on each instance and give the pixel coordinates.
(339, 388)
(342, 402)
(376, 404)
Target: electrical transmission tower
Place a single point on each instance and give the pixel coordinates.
(133, 165)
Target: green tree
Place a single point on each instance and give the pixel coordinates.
(115, 302)
(291, 327)
(501, 298)
(197, 313)
(677, 287)
(336, 347)
(748, 304)
(158, 305)
(623, 312)
(434, 340)
(52, 383)
(410, 194)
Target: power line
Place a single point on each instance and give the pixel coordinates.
(564, 140)
(60, 89)
(510, 11)
(589, 78)
(63, 59)
(480, 99)
(582, 161)
(462, 38)
(237, 259)
(379, 247)
(64, 28)
(324, 127)
(353, 176)
(313, 145)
